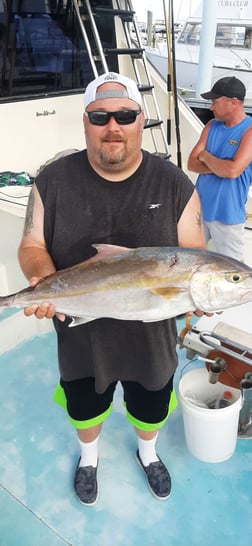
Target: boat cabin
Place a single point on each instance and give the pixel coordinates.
(229, 33)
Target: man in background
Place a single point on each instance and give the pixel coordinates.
(222, 157)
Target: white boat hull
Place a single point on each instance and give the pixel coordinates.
(187, 70)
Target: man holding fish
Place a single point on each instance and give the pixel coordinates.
(112, 193)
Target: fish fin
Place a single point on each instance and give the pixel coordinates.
(109, 250)
(168, 291)
(76, 321)
(104, 251)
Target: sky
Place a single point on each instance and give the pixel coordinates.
(181, 8)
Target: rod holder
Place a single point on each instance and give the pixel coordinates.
(218, 366)
(246, 410)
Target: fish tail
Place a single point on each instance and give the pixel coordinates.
(6, 301)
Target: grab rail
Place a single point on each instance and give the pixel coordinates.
(209, 337)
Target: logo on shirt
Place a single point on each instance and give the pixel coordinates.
(233, 142)
(154, 206)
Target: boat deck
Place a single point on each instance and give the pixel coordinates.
(210, 503)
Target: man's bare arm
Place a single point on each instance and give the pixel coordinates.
(190, 225)
(230, 168)
(194, 164)
(34, 259)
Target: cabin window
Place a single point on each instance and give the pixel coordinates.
(226, 35)
(233, 36)
(42, 48)
(190, 34)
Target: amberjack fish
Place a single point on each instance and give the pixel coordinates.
(147, 284)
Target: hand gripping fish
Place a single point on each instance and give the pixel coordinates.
(147, 284)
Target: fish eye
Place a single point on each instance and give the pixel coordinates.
(234, 277)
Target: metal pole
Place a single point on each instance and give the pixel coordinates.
(149, 28)
(206, 49)
(174, 81)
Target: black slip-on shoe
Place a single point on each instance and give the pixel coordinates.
(85, 484)
(158, 478)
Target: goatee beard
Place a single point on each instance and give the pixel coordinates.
(112, 159)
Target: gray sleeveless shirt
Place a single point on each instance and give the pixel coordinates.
(81, 208)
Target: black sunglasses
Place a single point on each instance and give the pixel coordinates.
(122, 117)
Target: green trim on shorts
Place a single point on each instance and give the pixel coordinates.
(59, 396)
(91, 422)
(149, 427)
(60, 399)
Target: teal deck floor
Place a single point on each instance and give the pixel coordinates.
(210, 504)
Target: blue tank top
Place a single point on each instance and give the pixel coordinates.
(224, 199)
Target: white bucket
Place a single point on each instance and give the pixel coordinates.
(211, 434)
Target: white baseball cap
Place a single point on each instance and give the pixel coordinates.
(131, 91)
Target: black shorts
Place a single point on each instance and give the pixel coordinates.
(86, 407)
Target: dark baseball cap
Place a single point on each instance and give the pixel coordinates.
(226, 87)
